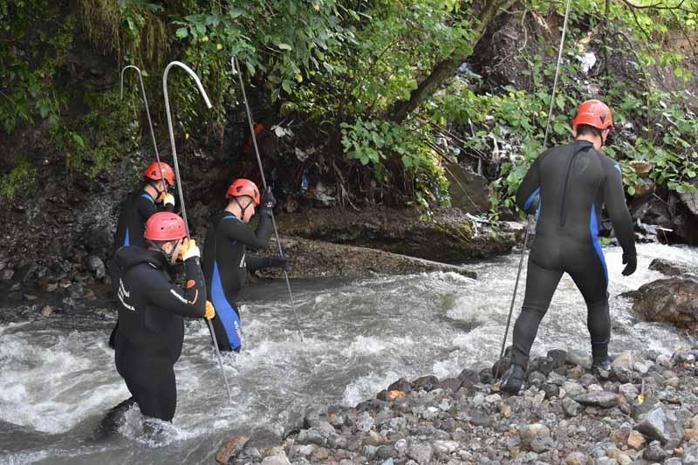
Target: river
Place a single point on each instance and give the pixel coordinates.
(57, 376)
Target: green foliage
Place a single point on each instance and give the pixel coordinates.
(31, 62)
(377, 143)
(20, 180)
(94, 142)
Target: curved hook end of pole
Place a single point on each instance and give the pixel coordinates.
(193, 76)
(121, 81)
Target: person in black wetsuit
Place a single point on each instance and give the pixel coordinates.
(135, 211)
(567, 186)
(148, 340)
(141, 204)
(225, 260)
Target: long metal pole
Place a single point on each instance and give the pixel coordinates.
(181, 191)
(236, 70)
(545, 143)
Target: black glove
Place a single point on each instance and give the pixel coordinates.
(277, 261)
(631, 260)
(268, 200)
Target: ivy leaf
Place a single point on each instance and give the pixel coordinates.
(284, 46)
(182, 33)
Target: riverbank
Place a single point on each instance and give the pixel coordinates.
(644, 411)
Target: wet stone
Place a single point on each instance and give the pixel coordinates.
(421, 453)
(576, 458)
(603, 399)
(575, 357)
(535, 437)
(655, 453)
(571, 408)
(425, 383)
(401, 385)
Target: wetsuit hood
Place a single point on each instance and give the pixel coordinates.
(128, 257)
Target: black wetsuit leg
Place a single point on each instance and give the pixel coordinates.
(540, 287)
(149, 378)
(587, 268)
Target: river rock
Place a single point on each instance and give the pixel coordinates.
(425, 383)
(655, 453)
(535, 437)
(656, 425)
(279, 458)
(603, 399)
(230, 449)
(668, 268)
(571, 407)
(690, 455)
(576, 458)
(469, 377)
(576, 357)
(671, 300)
(420, 452)
(96, 266)
(636, 440)
(401, 385)
(469, 191)
(451, 384)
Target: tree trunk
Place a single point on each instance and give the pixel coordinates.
(446, 68)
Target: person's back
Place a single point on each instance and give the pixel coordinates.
(567, 187)
(134, 212)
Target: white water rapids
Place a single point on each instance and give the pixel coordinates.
(57, 378)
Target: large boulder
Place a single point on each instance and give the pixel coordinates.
(469, 191)
(672, 300)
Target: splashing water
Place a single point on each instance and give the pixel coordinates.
(360, 336)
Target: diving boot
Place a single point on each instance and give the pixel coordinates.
(513, 379)
(601, 368)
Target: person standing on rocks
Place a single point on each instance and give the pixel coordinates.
(567, 186)
(148, 340)
(225, 260)
(137, 208)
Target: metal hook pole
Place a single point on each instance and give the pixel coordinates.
(181, 191)
(171, 130)
(147, 109)
(236, 70)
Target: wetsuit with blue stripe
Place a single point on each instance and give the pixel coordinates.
(225, 265)
(135, 211)
(568, 186)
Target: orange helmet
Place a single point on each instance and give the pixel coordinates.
(153, 171)
(593, 113)
(164, 226)
(244, 187)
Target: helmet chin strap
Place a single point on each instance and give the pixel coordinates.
(242, 209)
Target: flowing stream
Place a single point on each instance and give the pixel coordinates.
(57, 376)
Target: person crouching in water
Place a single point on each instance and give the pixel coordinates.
(148, 340)
(569, 185)
(225, 258)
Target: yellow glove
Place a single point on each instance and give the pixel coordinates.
(166, 199)
(189, 249)
(210, 312)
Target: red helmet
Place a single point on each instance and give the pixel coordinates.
(153, 171)
(593, 113)
(164, 226)
(241, 187)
